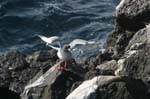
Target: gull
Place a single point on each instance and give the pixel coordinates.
(65, 53)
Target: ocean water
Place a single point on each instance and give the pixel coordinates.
(20, 20)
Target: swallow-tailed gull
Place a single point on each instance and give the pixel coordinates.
(64, 53)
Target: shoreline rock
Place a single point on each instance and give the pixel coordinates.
(122, 72)
(15, 71)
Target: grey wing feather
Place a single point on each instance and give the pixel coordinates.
(49, 40)
(76, 42)
(56, 48)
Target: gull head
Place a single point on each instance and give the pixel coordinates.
(66, 47)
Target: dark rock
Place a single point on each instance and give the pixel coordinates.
(137, 65)
(132, 50)
(128, 89)
(140, 39)
(107, 68)
(75, 85)
(111, 87)
(13, 60)
(131, 16)
(15, 71)
(54, 84)
(63, 84)
(42, 56)
(92, 61)
(90, 74)
(5, 93)
(119, 40)
(102, 57)
(90, 64)
(42, 59)
(5, 76)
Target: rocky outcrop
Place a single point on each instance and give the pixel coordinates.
(131, 80)
(131, 16)
(121, 72)
(13, 60)
(53, 84)
(137, 63)
(110, 87)
(124, 88)
(16, 69)
(131, 41)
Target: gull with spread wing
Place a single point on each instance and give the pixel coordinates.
(64, 53)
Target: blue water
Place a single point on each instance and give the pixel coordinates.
(20, 20)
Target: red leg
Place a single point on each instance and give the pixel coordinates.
(59, 67)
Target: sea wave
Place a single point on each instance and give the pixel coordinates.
(20, 20)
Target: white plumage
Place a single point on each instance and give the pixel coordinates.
(63, 53)
(49, 40)
(76, 42)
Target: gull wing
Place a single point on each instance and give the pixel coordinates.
(49, 40)
(56, 48)
(76, 42)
